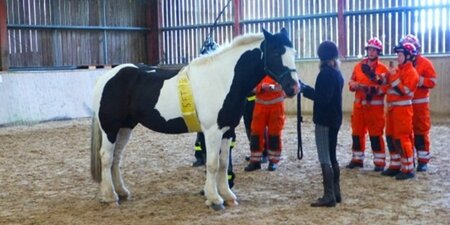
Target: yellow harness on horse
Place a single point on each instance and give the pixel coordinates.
(187, 103)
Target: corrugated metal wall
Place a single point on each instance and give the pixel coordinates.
(55, 33)
(391, 19)
(186, 24)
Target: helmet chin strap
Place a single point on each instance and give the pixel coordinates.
(373, 60)
(406, 59)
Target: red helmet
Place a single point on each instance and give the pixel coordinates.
(407, 48)
(410, 38)
(374, 43)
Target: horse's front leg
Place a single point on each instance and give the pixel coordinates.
(107, 191)
(212, 141)
(224, 188)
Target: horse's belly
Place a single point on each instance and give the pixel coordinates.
(159, 124)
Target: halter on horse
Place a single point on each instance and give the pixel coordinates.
(128, 95)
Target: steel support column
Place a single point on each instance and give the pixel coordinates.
(342, 32)
(4, 53)
(236, 17)
(154, 16)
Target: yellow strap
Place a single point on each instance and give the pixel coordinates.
(251, 98)
(187, 102)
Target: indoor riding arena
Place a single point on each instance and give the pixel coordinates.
(53, 54)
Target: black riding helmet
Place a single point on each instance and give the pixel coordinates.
(327, 50)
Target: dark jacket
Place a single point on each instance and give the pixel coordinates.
(327, 97)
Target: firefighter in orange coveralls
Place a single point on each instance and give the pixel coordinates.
(368, 108)
(402, 84)
(421, 99)
(268, 112)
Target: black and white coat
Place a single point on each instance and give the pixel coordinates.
(128, 95)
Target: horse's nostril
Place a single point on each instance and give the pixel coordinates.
(296, 88)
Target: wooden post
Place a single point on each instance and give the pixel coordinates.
(4, 55)
(237, 17)
(342, 32)
(153, 42)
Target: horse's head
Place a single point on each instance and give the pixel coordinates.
(279, 60)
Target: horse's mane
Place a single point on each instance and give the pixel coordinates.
(238, 41)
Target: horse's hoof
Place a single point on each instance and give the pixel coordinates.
(217, 207)
(231, 203)
(111, 204)
(114, 205)
(124, 198)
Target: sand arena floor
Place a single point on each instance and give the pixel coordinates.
(45, 179)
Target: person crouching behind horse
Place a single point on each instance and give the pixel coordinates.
(200, 156)
(268, 113)
(327, 117)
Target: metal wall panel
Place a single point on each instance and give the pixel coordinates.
(61, 33)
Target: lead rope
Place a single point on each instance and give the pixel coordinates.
(299, 103)
(299, 127)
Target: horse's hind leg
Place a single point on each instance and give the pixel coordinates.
(107, 192)
(224, 189)
(122, 139)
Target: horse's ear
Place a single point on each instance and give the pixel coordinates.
(267, 34)
(284, 32)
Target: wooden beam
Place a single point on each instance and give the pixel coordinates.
(236, 17)
(4, 54)
(342, 32)
(153, 43)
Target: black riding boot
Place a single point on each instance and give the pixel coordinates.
(337, 186)
(328, 199)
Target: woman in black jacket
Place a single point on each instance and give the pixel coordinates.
(327, 117)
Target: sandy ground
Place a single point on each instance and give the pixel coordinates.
(45, 179)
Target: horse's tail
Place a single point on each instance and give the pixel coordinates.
(96, 143)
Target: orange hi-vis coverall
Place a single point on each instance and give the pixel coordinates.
(368, 114)
(421, 115)
(268, 112)
(399, 117)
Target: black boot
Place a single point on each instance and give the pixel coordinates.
(390, 172)
(198, 162)
(422, 167)
(353, 165)
(272, 166)
(337, 186)
(253, 166)
(328, 199)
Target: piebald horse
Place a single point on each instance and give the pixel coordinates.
(129, 94)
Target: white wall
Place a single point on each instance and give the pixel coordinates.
(28, 97)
